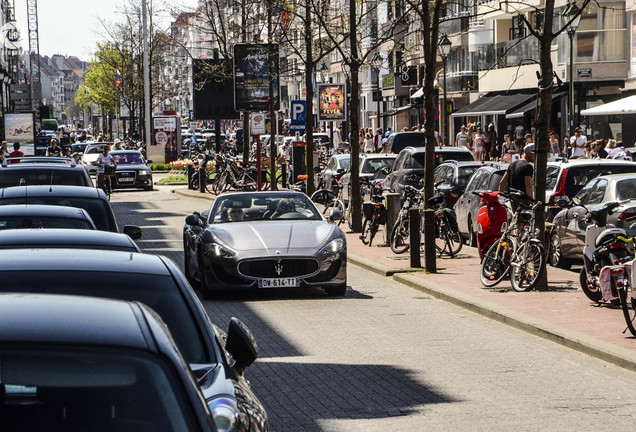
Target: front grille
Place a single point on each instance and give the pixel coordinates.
(127, 175)
(278, 268)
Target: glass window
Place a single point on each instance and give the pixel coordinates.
(474, 182)
(585, 192)
(255, 207)
(601, 33)
(30, 177)
(465, 174)
(128, 159)
(598, 193)
(26, 222)
(626, 189)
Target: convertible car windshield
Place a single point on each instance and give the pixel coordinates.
(262, 206)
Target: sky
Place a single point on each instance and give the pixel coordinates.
(71, 27)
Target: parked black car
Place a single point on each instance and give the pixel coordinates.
(408, 168)
(93, 200)
(64, 238)
(132, 170)
(158, 283)
(38, 171)
(485, 179)
(84, 364)
(451, 178)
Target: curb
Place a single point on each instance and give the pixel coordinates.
(198, 195)
(618, 356)
(380, 269)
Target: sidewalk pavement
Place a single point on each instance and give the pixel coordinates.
(562, 313)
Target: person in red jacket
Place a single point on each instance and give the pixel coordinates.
(16, 153)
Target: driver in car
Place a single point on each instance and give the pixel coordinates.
(235, 214)
(286, 205)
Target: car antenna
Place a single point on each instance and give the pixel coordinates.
(51, 185)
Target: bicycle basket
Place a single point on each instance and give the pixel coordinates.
(109, 170)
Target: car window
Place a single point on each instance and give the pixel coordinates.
(597, 195)
(585, 192)
(465, 174)
(129, 159)
(626, 189)
(401, 141)
(22, 222)
(95, 149)
(30, 177)
(440, 174)
(494, 180)
(474, 182)
(158, 292)
(332, 164)
(372, 165)
(344, 163)
(97, 209)
(551, 179)
(399, 162)
(578, 176)
(259, 207)
(441, 157)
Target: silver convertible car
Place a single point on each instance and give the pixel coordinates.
(264, 240)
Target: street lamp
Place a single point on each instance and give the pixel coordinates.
(376, 63)
(570, 17)
(299, 78)
(444, 46)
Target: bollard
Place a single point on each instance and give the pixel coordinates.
(190, 173)
(283, 174)
(414, 237)
(203, 178)
(430, 259)
(393, 207)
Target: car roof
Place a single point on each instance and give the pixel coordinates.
(460, 163)
(378, 155)
(29, 259)
(617, 177)
(65, 238)
(54, 319)
(56, 164)
(341, 156)
(437, 148)
(54, 190)
(43, 210)
(577, 162)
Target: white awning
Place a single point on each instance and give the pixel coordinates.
(418, 94)
(622, 106)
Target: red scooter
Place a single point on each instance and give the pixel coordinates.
(492, 220)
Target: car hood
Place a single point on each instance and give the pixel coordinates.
(273, 237)
(130, 167)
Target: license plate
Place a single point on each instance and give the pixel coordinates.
(278, 283)
(126, 179)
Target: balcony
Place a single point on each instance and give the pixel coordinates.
(461, 81)
(454, 25)
(508, 54)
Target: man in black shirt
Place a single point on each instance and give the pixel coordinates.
(519, 174)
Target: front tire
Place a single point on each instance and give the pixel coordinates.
(525, 275)
(496, 263)
(336, 291)
(555, 257)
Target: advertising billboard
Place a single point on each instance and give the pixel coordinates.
(20, 128)
(166, 134)
(252, 79)
(332, 104)
(213, 95)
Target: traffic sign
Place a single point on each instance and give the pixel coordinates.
(191, 117)
(258, 123)
(298, 110)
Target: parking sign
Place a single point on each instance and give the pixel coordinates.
(298, 110)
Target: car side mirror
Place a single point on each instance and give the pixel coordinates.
(335, 215)
(563, 203)
(241, 344)
(132, 231)
(149, 161)
(340, 170)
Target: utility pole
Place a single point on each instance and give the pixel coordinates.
(246, 115)
(272, 113)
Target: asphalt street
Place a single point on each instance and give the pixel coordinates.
(387, 357)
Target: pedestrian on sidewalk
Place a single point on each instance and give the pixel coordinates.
(519, 174)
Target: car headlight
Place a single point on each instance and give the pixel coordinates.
(143, 172)
(225, 413)
(334, 246)
(220, 250)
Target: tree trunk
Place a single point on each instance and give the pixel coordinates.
(354, 111)
(309, 105)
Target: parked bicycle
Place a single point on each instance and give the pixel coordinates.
(374, 215)
(621, 283)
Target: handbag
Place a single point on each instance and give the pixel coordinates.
(109, 170)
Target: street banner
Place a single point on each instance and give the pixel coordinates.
(252, 79)
(332, 102)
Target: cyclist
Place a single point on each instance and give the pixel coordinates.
(54, 149)
(105, 160)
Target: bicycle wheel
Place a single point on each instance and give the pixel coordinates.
(527, 265)
(399, 238)
(219, 183)
(322, 196)
(194, 182)
(365, 231)
(209, 184)
(628, 304)
(496, 262)
(454, 241)
(373, 230)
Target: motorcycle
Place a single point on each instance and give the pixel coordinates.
(492, 220)
(601, 248)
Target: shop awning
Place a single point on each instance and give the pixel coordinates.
(622, 106)
(494, 104)
(529, 106)
(418, 94)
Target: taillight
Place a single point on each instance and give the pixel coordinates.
(627, 215)
(617, 271)
(559, 193)
(617, 245)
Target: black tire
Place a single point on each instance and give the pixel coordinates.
(399, 239)
(628, 304)
(195, 284)
(194, 181)
(365, 232)
(206, 292)
(525, 276)
(496, 264)
(373, 230)
(472, 235)
(148, 188)
(322, 196)
(555, 257)
(456, 241)
(593, 293)
(219, 183)
(336, 291)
